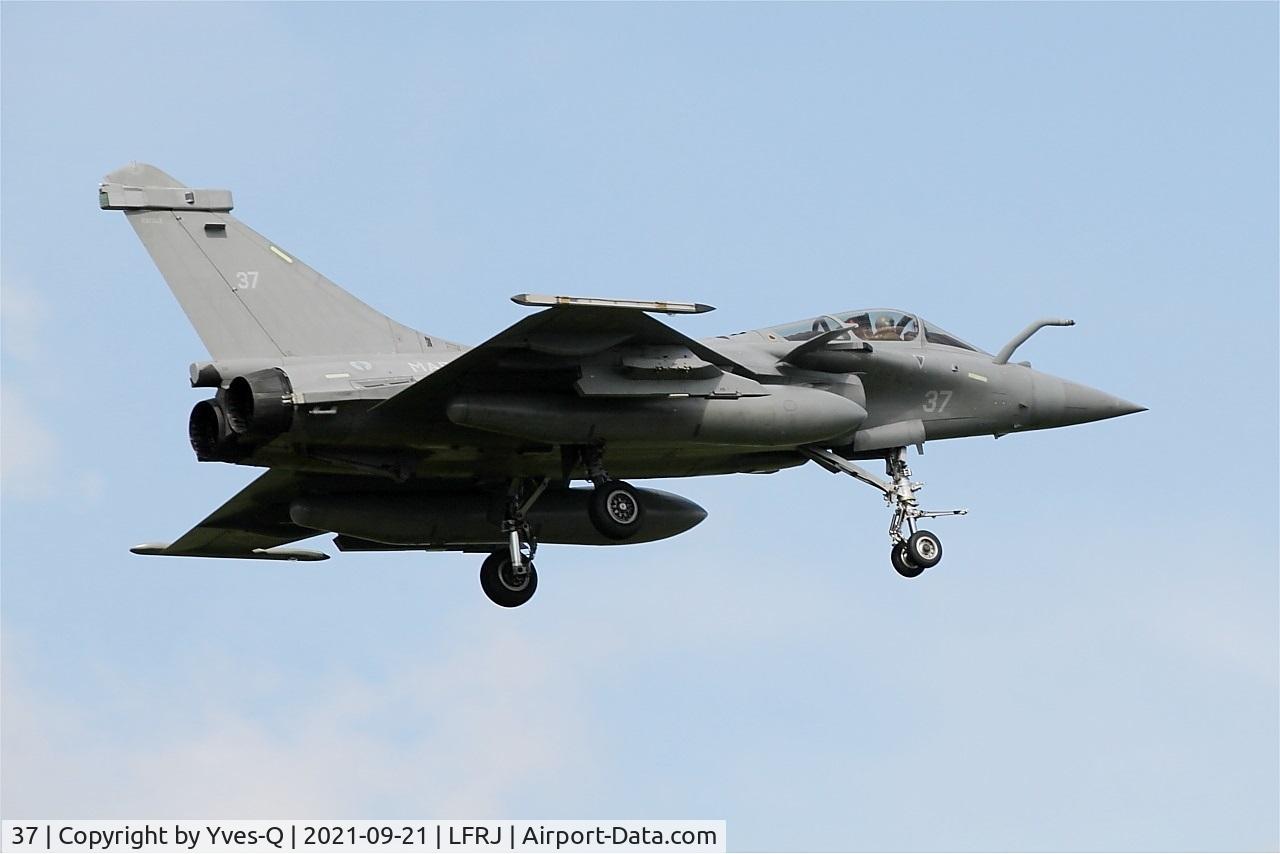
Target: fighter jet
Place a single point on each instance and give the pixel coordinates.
(395, 440)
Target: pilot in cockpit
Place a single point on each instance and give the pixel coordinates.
(885, 330)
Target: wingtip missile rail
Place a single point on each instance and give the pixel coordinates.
(657, 306)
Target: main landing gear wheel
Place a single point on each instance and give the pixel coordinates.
(507, 576)
(615, 510)
(924, 549)
(902, 563)
(503, 584)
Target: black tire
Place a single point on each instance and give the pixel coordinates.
(924, 549)
(902, 563)
(500, 584)
(615, 510)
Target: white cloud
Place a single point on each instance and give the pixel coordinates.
(454, 739)
(464, 731)
(30, 458)
(28, 450)
(22, 314)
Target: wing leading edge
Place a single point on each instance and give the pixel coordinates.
(561, 337)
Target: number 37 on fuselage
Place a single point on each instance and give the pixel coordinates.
(392, 439)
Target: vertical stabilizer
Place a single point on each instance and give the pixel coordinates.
(244, 295)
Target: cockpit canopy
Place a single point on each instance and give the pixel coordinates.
(879, 324)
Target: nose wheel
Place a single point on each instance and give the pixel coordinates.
(902, 562)
(912, 556)
(912, 551)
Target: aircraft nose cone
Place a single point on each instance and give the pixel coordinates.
(1082, 404)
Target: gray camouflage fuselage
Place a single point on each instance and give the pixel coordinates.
(903, 393)
(394, 439)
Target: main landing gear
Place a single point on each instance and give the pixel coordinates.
(503, 584)
(508, 576)
(916, 550)
(615, 509)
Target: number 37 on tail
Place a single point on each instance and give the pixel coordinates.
(392, 439)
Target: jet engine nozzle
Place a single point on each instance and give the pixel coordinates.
(210, 433)
(260, 403)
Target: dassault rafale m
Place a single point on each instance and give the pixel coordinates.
(392, 439)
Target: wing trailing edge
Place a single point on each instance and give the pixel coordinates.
(254, 554)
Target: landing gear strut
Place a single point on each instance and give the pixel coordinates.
(615, 509)
(913, 552)
(508, 576)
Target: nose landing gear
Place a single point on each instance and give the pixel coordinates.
(916, 550)
(916, 553)
(902, 562)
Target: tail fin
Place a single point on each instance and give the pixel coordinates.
(244, 295)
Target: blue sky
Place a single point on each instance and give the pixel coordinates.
(1094, 666)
